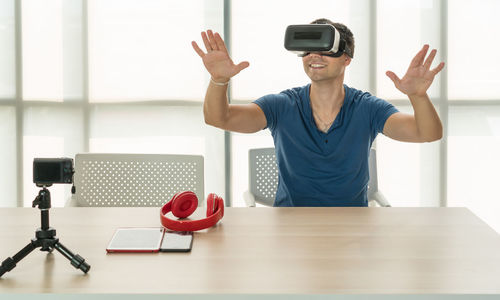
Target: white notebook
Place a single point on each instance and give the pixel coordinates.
(136, 239)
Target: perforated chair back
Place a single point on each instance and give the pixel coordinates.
(110, 179)
(264, 177)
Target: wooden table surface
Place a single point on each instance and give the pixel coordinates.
(264, 250)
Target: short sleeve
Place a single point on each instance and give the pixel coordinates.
(380, 111)
(270, 105)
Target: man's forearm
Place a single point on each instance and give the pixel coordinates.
(428, 123)
(215, 107)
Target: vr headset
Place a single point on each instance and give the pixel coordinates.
(322, 38)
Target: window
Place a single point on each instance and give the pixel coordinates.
(408, 173)
(473, 52)
(474, 161)
(8, 173)
(88, 82)
(418, 23)
(8, 134)
(7, 50)
(51, 50)
(142, 50)
(121, 76)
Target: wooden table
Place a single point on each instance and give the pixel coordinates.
(264, 251)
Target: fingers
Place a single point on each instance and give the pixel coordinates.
(211, 40)
(438, 68)
(242, 65)
(197, 49)
(419, 58)
(220, 42)
(393, 77)
(205, 41)
(430, 58)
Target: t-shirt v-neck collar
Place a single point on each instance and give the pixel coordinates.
(339, 119)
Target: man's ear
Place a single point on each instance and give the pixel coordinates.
(347, 61)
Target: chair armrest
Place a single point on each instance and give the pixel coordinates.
(249, 199)
(380, 199)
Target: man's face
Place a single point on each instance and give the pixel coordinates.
(321, 67)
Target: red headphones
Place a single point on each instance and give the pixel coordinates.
(183, 204)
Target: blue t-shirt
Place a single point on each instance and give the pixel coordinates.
(317, 168)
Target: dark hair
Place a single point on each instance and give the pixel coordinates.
(345, 34)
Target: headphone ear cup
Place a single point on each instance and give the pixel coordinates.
(184, 204)
(211, 205)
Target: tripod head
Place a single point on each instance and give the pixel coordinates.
(43, 199)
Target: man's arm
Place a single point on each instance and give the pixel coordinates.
(246, 118)
(424, 125)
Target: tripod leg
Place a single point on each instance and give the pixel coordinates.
(10, 263)
(76, 260)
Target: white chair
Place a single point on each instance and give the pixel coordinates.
(375, 197)
(263, 179)
(111, 179)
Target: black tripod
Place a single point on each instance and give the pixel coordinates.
(45, 238)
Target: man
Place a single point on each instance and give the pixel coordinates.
(323, 131)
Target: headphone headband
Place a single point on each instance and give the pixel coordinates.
(182, 204)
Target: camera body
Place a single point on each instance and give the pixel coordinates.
(47, 171)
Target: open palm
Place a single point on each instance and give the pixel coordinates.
(419, 76)
(217, 61)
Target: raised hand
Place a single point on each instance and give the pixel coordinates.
(419, 76)
(217, 60)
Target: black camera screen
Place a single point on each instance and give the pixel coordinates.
(307, 35)
(48, 171)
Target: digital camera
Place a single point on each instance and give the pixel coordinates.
(47, 171)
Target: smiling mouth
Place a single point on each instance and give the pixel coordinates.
(316, 66)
